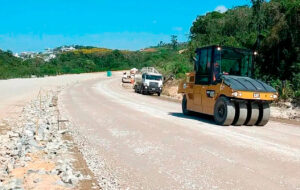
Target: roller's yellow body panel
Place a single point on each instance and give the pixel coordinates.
(200, 101)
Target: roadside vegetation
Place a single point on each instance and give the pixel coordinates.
(270, 28)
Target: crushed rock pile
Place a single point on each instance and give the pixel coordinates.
(33, 154)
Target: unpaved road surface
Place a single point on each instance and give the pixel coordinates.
(147, 143)
(15, 93)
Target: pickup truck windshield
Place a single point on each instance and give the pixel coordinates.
(153, 77)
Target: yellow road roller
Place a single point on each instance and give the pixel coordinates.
(221, 86)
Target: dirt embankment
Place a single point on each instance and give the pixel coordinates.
(170, 90)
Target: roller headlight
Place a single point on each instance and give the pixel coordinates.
(275, 96)
(236, 94)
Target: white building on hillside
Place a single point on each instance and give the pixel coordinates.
(49, 57)
(71, 48)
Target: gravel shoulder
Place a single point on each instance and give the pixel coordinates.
(35, 152)
(36, 149)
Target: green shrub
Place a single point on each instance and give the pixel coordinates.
(284, 88)
(296, 82)
(297, 95)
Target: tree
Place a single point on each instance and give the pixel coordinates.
(257, 16)
(161, 43)
(174, 41)
(9, 52)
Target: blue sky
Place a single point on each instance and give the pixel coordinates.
(34, 25)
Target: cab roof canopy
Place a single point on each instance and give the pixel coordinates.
(241, 50)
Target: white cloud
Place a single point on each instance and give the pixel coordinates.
(221, 9)
(178, 29)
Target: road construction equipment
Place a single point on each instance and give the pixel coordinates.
(126, 78)
(133, 71)
(129, 78)
(148, 81)
(221, 85)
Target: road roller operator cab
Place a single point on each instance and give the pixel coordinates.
(221, 85)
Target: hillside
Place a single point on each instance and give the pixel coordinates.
(82, 60)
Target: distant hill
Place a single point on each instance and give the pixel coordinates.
(80, 59)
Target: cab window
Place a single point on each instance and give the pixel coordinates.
(203, 66)
(236, 62)
(217, 65)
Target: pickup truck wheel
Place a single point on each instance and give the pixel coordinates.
(158, 94)
(224, 111)
(185, 111)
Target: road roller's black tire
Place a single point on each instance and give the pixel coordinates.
(185, 111)
(241, 112)
(253, 113)
(264, 114)
(224, 111)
